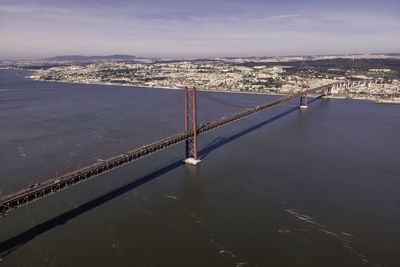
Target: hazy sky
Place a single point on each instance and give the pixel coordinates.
(186, 28)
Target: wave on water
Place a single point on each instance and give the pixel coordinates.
(348, 241)
(171, 197)
(302, 217)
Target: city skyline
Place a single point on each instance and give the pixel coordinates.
(40, 29)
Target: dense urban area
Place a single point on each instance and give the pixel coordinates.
(378, 74)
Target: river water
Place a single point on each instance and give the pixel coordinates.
(284, 187)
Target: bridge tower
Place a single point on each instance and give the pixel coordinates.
(305, 84)
(303, 102)
(191, 155)
(329, 91)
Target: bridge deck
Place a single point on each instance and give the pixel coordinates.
(38, 191)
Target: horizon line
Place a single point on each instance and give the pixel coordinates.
(197, 57)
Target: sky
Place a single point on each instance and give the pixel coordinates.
(201, 28)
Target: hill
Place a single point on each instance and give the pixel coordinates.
(92, 58)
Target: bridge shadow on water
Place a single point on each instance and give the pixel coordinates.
(13, 243)
(8, 246)
(220, 141)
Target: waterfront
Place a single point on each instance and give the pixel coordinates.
(280, 188)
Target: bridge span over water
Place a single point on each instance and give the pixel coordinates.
(37, 191)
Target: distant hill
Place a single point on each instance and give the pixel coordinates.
(92, 58)
(393, 54)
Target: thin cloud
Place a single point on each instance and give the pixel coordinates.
(192, 28)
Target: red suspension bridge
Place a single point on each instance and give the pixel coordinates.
(191, 131)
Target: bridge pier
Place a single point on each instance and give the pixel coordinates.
(303, 102)
(305, 80)
(328, 91)
(191, 149)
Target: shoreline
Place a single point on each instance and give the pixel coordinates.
(157, 88)
(338, 97)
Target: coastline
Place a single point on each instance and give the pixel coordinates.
(152, 87)
(338, 97)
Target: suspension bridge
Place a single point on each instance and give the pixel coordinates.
(190, 134)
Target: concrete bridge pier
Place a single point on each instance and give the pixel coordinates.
(303, 102)
(328, 91)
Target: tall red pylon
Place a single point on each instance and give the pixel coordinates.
(191, 154)
(305, 85)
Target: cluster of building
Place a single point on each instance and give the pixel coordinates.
(221, 75)
(208, 75)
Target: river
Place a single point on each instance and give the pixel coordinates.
(283, 187)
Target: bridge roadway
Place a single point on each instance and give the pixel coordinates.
(51, 186)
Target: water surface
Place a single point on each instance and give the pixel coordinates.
(281, 188)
